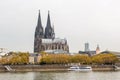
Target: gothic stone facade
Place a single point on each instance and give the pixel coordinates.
(45, 40)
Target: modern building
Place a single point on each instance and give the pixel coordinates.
(90, 52)
(113, 52)
(45, 39)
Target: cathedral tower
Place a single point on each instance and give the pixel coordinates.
(49, 30)
(39, 34)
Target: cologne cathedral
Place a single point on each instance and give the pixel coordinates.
(44, 40)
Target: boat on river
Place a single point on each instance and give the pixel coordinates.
(80, 68)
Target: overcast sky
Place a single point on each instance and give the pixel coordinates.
(79, 21)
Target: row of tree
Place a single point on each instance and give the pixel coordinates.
(15, 58)
(23, 58)
(82, 59)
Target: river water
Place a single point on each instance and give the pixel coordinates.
(70, 75)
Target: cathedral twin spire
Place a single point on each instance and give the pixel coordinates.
(49, 31)
(39, 32)
(39, 20)
(45, 38)
(48, 20)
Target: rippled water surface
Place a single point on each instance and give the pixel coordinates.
(60, 75)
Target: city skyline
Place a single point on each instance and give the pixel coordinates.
(95, 22)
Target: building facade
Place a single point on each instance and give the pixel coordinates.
(90, 52)
(45, 39)
(34, 58)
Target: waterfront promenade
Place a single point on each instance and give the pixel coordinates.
(27, 68)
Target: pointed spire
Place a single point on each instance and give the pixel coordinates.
(48, 20)
(39, 24)
(48, 29)
(39, 29)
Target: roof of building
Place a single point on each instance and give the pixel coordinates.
(56, 51)
(56, 40)
(90, 53)
(113, 52)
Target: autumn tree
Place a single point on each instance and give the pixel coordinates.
(104, 59)
(15, 58)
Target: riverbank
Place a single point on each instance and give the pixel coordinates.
(28, 68)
